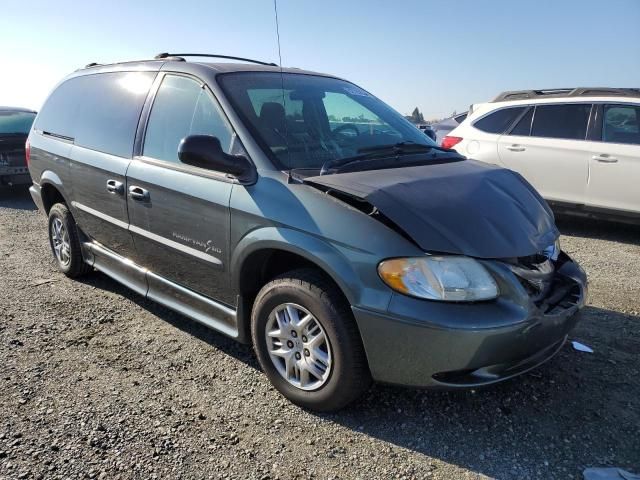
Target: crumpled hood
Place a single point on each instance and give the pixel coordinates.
(462, 207)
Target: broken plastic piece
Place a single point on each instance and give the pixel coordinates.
(581, 347)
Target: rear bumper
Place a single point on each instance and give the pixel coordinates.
(14, 176)
(437, 345)
(34, 190)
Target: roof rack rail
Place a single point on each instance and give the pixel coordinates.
(568, 92)
(178, 56)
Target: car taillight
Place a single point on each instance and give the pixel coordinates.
(27, 152)
(450, 142)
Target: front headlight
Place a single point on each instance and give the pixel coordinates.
(449, 278)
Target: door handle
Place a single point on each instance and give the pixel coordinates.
(604, 158)
(516, 148)
(114, 186)
(138, 193)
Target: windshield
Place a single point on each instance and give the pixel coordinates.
(12, 122)
(305, 121)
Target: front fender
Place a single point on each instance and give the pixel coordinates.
(347, 266)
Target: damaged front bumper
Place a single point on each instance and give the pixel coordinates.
(424, 343)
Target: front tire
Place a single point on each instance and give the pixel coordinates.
(307, 342)
(64, 241)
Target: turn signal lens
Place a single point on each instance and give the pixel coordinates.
(447, 278)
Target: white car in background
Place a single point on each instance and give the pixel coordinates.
(580, 148)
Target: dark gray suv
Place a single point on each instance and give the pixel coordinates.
(296, 211)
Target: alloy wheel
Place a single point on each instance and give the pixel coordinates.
(60, 241)
(298, 346)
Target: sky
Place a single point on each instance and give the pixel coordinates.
(437, 55)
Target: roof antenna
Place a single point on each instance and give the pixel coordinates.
(275, 8)
(284, 105)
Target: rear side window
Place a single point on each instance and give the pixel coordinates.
(499, 121)
(99, 111)
(59, 113)
(523, 127)
(183, 107)
(109, 111)
(621, 124)
(561, 121)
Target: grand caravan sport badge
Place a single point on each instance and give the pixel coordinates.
(207, 245)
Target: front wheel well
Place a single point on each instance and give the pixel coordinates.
(258, 269)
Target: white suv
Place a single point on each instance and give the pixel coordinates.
(580, 148)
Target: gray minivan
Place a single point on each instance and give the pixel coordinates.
(296, 211)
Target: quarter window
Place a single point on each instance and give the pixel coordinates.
(621, 124)
(499, 121)
(183, 107)
(59, 112)
(523, 127)
(99, 111)
(461, 118)
(561, 121)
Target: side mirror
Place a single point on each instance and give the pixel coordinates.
(205, 151)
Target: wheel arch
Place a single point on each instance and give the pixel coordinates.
(269, 252)
(51, 191)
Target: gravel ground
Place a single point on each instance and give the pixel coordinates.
(97, 382)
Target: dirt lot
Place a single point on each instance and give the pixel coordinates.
(96, 382)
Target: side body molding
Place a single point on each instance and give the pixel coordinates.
(200, 308)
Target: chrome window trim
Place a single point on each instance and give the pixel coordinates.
(184, 168)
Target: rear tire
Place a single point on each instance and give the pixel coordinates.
(64, 241)
(324, 366)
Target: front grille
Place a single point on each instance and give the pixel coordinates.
(536, 275)
(565, 296)
(549, 290)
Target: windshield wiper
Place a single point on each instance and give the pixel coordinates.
(400, 148)
(380, 151)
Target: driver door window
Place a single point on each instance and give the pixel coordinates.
(183, 107)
